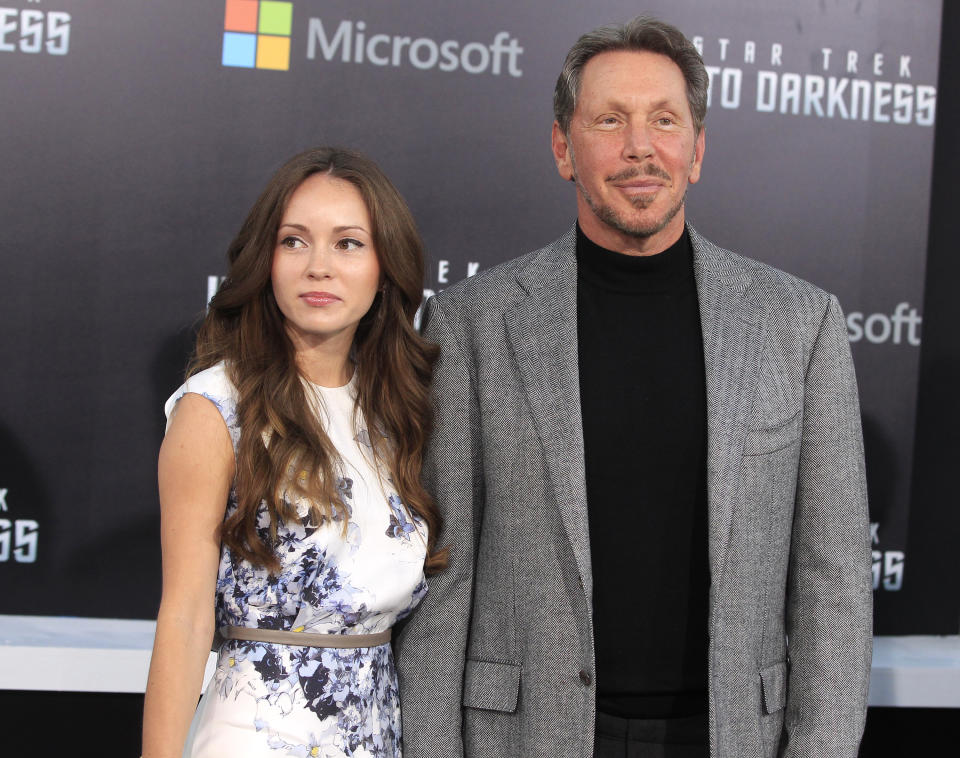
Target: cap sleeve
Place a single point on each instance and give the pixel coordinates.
(215, 386)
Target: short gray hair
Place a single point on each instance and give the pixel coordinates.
(641, 34)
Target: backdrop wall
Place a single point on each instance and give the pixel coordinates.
(135, 136)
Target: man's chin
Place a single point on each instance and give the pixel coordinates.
(639, 227)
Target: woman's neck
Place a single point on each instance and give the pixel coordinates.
(326, 362)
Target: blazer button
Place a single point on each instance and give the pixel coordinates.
(585, 678)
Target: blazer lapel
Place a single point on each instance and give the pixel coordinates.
(542, 329)
(734, 329)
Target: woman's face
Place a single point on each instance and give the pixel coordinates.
(325, 271)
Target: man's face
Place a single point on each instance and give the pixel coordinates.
(632, 151)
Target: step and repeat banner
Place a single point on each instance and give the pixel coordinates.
(135, 136)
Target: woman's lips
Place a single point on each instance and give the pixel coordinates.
(319, 299)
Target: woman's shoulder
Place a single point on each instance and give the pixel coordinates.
(214, 384)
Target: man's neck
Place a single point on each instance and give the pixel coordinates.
(613, 239)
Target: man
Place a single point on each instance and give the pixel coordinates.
(648, 454)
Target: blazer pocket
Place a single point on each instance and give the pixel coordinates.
(491, 685)
(763, 441)
(774, 681)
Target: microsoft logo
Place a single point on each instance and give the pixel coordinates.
(257, 34)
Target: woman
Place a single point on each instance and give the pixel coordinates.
(289, 479)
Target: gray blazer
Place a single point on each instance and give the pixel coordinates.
(498, 660)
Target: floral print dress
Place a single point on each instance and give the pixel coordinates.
(267, 699)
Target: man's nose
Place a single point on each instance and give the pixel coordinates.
(637, 145)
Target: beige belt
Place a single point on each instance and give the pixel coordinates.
(304, 639)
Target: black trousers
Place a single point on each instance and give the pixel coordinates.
(651, 738)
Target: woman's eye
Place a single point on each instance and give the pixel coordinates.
(291, 243)
(348, 243)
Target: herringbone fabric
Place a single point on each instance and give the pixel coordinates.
(498, 660)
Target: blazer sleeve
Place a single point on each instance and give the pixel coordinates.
(431, 647)
(829, 611)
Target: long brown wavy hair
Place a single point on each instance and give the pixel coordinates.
(394, 365)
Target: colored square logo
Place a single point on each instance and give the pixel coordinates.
(273, 52)
(239, 49)
(241, 15)
(276, 18)
(257, 34)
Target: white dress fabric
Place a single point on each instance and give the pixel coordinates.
(266, 699)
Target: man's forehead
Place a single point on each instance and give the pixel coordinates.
(636, 59)
(631, 73)
(632, 80)
(628, 102)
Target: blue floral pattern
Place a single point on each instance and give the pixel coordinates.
(400, 527)
(280, 700)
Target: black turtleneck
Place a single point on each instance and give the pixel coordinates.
(643, 400)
